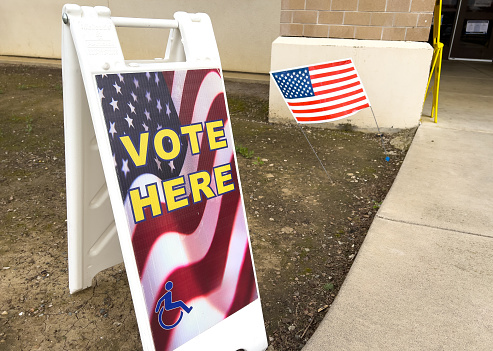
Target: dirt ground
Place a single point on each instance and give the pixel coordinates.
(305, 230)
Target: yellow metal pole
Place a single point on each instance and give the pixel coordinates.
(438, 71)
(434, 61)
(436, 67)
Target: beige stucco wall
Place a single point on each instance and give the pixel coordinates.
(244, 30)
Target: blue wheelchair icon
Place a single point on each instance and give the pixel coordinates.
(169, 305)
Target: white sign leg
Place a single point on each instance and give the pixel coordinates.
(92, 238)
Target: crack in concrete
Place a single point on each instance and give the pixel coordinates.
(432, 226)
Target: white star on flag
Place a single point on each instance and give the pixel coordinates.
(130, 122)
(158, 163)
(100, 93)
(118, 88)
(125, 168)
(112, 129)
(114, 103)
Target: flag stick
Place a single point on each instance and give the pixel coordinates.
(387, 158)
(328, 176)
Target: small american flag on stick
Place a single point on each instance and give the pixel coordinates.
(323, 92)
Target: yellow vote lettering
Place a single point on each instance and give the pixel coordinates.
(192, 130)
(139, 158)
(213, 135)
(175, 144)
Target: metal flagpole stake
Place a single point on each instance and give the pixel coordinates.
(328, 176)
(387, 158)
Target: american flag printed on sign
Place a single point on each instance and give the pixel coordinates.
(202, 248)
(323, 92)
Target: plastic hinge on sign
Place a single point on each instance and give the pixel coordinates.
(198, 37)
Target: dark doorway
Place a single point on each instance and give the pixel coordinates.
(471, 38)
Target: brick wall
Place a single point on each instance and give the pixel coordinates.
(408, 20)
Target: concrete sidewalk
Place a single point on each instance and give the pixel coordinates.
(423, 279)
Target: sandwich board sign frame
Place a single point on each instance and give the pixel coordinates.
(152, 180)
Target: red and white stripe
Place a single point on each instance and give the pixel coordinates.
(338, 91)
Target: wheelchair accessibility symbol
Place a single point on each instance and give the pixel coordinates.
(169, 305)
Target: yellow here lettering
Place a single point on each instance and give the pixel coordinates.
(174, 188)
(139, 203)
(223, 175)
(200, 183)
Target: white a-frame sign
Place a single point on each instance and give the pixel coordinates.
(154, 172)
